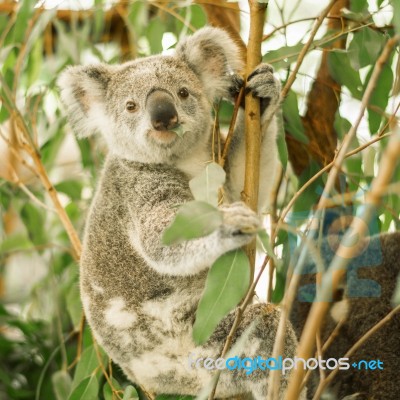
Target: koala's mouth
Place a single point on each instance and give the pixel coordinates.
(163, 137)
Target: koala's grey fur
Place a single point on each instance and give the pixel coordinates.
(379, 263)
(139, 296)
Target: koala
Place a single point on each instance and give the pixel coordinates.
(362, 301)
(139, 296)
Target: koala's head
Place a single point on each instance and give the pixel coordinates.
(154, 109)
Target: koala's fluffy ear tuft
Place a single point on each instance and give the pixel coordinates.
(83, 90)
(213, 56)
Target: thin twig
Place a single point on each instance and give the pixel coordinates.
(326, 345)
(22, 186)
(305, 48)
(231, 127)
(103, 369)
(324, 383)
(274, 376)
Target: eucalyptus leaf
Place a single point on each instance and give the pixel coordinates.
(130, 393)
(282, 147)
(292, 118)
(34, 220)
(365, 47)
(62, 384)
(179, 130)
(344, 73)
(226, 284)
(205, 186)
(396, 14)
(380, 97)
(193, 220)
(74, 305)
(87, 389)
(87, 365)
(16, 242)
(265, 242)
(72, 188)
(108, 391)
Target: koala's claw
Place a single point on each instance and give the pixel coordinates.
(237, 84)
(239, 221)
(262, 83)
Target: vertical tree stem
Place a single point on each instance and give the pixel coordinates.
(252, 118)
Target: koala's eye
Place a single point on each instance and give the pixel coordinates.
(183, 93)
(131, 106)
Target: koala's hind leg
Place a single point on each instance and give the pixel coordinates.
(262, 320)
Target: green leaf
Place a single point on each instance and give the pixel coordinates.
(34, 220)
(284, 56)
(108, 391)
(87, 389)
(265, 242)
(130, 393)
(396, 14)
(380, 97)
(365, 48)
(73, 211)
(24, 14)
(15, 242)
(72, 188)
(74, 305)
(193, 220)
(280, 274)
(198, 17)
(282, 147)
(341, 125)
(62, 384)
(292, 118)
(309, 197)
(99, 20)
(226, 284)
(344, 74)
(50, 149)
(87, 365)
(35, 62)
(359, 6)
(137, 17)
(205, 186)
(354, 163)
(154, 34)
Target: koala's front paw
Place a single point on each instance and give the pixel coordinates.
(262, 83)
(239, 222)
(237, 82)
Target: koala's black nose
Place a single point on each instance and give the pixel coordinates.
(163, 113)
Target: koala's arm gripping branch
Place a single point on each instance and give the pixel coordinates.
(187, 258)
(181, 259)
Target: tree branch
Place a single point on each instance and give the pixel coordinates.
(252, 119)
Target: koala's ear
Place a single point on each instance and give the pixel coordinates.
(83, 90)
(213, 56)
